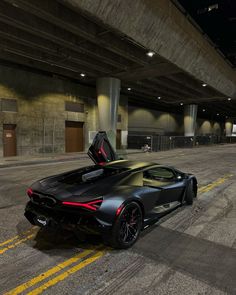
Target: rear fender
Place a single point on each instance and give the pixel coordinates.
(108, 210)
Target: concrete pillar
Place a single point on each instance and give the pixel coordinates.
(190, 118)
(108, 94)
(228, 127)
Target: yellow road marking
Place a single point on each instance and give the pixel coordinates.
(219, 181)
(17, 237)
(67, 273)
(18, 240)
(17, 243)
(9, 241)
(49, 273)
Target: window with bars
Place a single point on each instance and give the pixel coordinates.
(8, 105)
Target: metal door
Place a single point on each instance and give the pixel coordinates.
(74, 137)
(118, 139)
(9, 140)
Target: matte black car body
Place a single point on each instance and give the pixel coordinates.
(90, 199)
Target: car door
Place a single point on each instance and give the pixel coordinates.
(101, 150)
(164, 179)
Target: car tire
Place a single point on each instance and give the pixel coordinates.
(189, 193)
(127, 226)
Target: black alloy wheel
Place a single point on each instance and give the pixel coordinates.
(127, 226)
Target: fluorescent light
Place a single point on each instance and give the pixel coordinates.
(204, 84)
(213, 6)
(150, 53)
(128, 88)
(82, 74)
(229, 98)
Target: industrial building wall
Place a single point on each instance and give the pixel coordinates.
(148, 121)
(208, 127)
(39, 106)
(40, 111)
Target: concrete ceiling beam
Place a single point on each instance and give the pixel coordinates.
(31, 54)
(143, 88)
(49, 48)
(20, 20)
(180, 91)
(154, 70)
(33, 64)
(175, 85)
(161, 27)
(61, 16)
(167, 91)
(183, 79)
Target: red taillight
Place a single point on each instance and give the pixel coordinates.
(93, 205)
(29, 192)
(119, 210)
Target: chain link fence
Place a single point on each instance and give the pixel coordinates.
(163, 142)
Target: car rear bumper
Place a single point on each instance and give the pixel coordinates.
(45, 217)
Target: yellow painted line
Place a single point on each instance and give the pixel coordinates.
(67, 273)
(218, 182)
(19, 289)
(17, 237)
(9, 241)
(17, 243)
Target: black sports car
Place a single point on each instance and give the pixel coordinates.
(115, 198)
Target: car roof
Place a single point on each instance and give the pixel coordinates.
(129, 164)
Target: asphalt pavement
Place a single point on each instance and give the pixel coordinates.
(192, 250)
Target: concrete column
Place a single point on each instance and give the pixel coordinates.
(228, 127)
(108, 94)
(190, 118)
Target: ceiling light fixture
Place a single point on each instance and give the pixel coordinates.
(203, 110)
(150, 53)
(82, 74)
(128, 88)
(181, 104)
(159, 97)
(213, 7)
(204, 84)
(229, 98)
(217, 114)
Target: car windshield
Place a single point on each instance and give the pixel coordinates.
(90, 174)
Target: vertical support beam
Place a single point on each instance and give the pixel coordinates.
(229, 127)
(190, 118)
(108, 94)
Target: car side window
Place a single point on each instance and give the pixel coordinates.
(158, 176)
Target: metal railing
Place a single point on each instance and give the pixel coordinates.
(163, 142)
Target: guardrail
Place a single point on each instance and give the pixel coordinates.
(163, 142)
